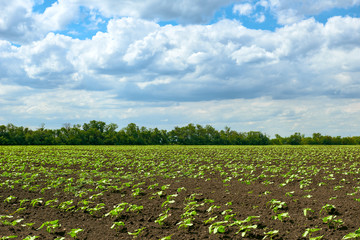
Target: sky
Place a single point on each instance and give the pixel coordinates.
(275, 66)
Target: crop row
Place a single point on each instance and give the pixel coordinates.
(180, 192)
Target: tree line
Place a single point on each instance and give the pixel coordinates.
(100, 133)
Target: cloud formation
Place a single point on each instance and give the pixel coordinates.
(140, 60)
(223, 72)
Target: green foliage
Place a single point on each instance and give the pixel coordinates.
(73, 232)
(332, 222)
(100, 133)
(31, 237)
(310, 231)
(50, 225)
(271, 234)
(353, 235)
(137, 232)
(281, 216)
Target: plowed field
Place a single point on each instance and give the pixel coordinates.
(173, 192)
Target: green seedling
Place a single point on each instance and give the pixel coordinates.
(186, 223)
(153, 186)
(10, 199)
(31, 237)
(167, 237)
(246, 225)
(271, 234)
(164, 187)
(137, 192)
(290, 194)
(51, 203)
(36, 202)
(13, 223)
(329, 208)
(181, 189)
(118, 225)
(134, 208)
(281, 216)
(169, 200)
(118, 209)
(310, 231)
(218, 227)
(8, 237)
(73, 232)
(95, 209)
(137, 232)
(23, 201)
(307, 211)
(275, 205)
(19, 210)
(50, 225)
(95, 196)
(212, 207)
(164, 215)
(211, 219)
(65, 205)
(353, 235)
(331, 222)
(27, 225)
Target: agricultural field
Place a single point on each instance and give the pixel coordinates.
(179, 192)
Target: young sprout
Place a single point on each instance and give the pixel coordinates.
(73, 232)
(166, 238)
(353, 235)
(51, 202)
(290, 194)
(212, 207)
(117, 210)
(31, 237)
(36, 202)
(211, 219)
(8, 237)
(281, 216)
(329, 208)
(19, 210)
(217, 227)
(181, 189)
(97, 208)
(134, 208)
(50, 225)
(185, 223)
(306, 211)
(271, 234)
(10, 199)
(169, 200)
(23, 201)
(245, 225)
(310, 231)
(331, 222)
(137, 232)
(275, 205)
(64, 205)
(118, 225)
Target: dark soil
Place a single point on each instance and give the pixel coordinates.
(227, 191)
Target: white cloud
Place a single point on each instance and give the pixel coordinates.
(289, 12)
(58, 15)
(185, 11)
(15, 19)
(243, 9)
(260, 18)
(223, 73)
(140, 60)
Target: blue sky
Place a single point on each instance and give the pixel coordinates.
(276, 66)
